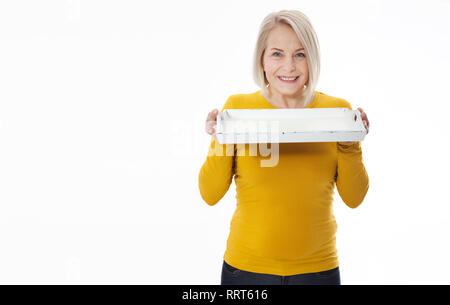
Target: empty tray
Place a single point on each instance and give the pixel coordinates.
(289, 125)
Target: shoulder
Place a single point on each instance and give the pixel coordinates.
(334, 102)
(241, 101)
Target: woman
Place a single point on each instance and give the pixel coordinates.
(283, 229)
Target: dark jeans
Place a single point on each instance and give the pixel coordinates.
(234, 276)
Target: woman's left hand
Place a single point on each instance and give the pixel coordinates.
(365, 120)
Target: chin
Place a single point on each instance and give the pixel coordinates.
(289, 91)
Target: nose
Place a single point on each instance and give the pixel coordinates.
(289, 64)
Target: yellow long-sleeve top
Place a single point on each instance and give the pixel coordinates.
(284, 223)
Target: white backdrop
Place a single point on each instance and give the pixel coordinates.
(102, 110)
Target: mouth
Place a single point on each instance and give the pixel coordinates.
(288, 79)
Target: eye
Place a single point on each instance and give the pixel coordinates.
(275, 53)
(302, 55)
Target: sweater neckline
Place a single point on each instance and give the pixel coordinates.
(311, 105)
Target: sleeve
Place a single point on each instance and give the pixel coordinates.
(352, 179)
(216, 173)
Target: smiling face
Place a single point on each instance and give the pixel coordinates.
(284, 62)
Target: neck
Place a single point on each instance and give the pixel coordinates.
(284, 101)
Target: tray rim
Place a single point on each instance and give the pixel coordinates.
(290, 136)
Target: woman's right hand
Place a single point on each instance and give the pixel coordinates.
(211, 123)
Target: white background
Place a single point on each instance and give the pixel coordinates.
(102, 110)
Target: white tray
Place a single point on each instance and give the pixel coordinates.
(236, 126)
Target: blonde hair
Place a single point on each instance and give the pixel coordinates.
(305, 33)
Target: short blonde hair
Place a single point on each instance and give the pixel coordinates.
(305, 33)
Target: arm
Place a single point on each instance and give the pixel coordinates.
(352, 179)
(217, 172)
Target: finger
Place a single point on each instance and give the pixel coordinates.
(363, 114)
(212, 115)
(366, 126)
(208, 117)
(210, 124)
(215, 113)
(360, 110)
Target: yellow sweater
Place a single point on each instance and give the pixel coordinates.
(284, 223)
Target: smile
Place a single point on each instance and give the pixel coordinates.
(288, 79)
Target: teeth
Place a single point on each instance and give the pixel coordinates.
(285, 78)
